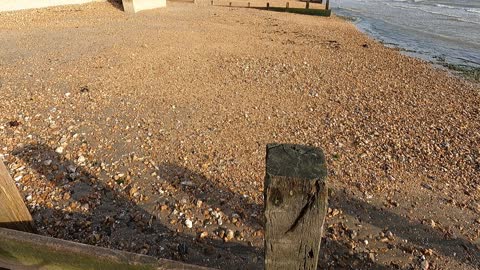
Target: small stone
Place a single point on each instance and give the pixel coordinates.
(81, 160)
(230, 235)
(71, 169)
(203, 234)
(48, 162)
(188, 183)
(66, 196)
(352, 234)
(29, 197)
(59, 150)
(85, 207)
(188, 223)
(199, 203)
(424, 265)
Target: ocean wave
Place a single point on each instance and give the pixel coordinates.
(459, 14)
(427, 10)
(474, 10)
(445, 6)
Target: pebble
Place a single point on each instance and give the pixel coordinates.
(59, 150)
(188, 223)
(48, 162)
(230, 235)
(203, 234)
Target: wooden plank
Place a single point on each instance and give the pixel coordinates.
(21, 250)
(295, 206)
(13, 212)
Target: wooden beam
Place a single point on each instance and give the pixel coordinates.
(295, 206)
(21, 250)
(13, 212)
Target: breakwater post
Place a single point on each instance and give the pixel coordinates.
(295, 206)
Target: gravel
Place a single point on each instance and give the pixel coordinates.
(147, 133)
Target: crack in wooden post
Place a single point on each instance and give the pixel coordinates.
(295, 206)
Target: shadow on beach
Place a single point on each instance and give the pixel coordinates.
(126, 225)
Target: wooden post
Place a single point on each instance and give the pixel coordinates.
(327, 5)
(268, 5)
(307, 4)
(13, 212)
(248, 4)
(295, 206)
(288, 5)
(211, 2)
(230, 4)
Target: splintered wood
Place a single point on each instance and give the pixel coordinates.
(13, 212)
(295, 206)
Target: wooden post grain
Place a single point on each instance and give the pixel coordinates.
(295, 206)
(26, 251)
(13, 212)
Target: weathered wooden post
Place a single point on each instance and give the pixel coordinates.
(288, 5)
(268, 5)
(307, 4)
(295, 206)
(327, 5)
(27, 251)
(13, 212)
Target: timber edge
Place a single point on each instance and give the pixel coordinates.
(22, 250)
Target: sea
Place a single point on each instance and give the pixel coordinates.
(440, 31)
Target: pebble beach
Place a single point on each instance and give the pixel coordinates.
(147, 133)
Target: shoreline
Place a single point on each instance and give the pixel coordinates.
(469, 72)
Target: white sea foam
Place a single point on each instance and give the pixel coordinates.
(474, 10)
(445, 6)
